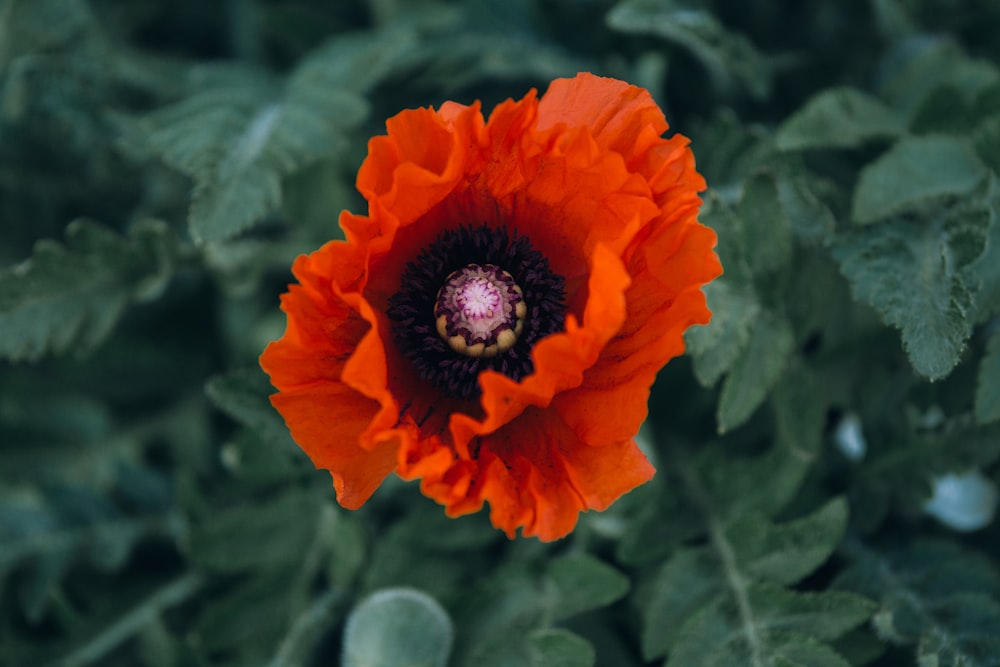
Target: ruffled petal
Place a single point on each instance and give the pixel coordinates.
(538, 478)
(620, 117)
(560, 360)
(327, 422)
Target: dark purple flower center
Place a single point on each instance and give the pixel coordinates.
(474, 300)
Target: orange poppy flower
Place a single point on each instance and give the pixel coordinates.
(493, 325)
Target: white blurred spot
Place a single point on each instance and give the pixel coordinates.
(849, 437)
(230, 457)
(963, 502)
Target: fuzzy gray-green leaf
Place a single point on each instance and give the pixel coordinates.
(756, 371)
(559, 648)
(71, 296)
(911, 272)
(912, 172)
(583, 582)
(838, 118)
(765, 225)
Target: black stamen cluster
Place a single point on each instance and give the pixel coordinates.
(411, 309)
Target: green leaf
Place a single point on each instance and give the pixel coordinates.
(765, 225)
(728, 56)
(988, 383)
(729, 150)
(762, 552)
(919, 66)
(985, 272)
(800, 402)
(809, 218)
(764, 624)
(933, 594)
(913, 273)
(913, 172)
(397, 627)
(756, 371)
(443, 551)
(732, 482)
(973, 641)
(267, 536)
(71, 297)
(786, 553)
(839, 117)
(583, 583)
(238, 137)
(986, 140)
(560, 648)
(686, 583)
(247, 619)
(716, 346)
(242, 394)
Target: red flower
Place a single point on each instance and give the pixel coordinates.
(493, 325)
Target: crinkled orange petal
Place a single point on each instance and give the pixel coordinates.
(327, 422)
(620, 117)
(560, 360)
(538, 478)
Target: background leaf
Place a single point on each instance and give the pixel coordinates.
(917, 284)
(838, 118)
(912, 171)
(72, 296)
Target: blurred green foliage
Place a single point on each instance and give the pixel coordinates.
(161, 164)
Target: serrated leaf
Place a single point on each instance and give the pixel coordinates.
(756, 371)
(765, 226)
(838, 118)
(238, 140)
(914, 172)
(560, 648)
(685, 584)
(911, 272)
(397, 627)
(70, 297)
(242, 394)
(988, 383)
(727, 56)
(583, 583)
(756, 629)
(933, 594)
(715, 347)
(265, 536)
(760, 550)
(733, 482)
(786, 553)
(719, 604)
